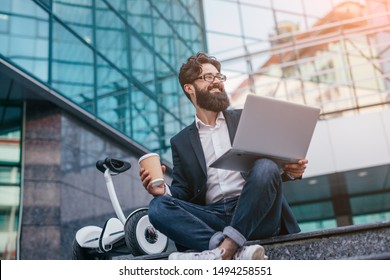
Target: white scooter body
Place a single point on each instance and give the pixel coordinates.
(143, 239)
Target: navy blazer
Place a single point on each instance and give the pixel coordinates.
(189, 173)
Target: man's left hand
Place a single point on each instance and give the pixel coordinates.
(295, 170)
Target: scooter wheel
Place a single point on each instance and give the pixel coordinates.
(80, 253)
(141, 237)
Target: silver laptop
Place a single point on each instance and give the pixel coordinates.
(270, 128)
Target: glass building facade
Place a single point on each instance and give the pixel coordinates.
(332, 54)
(115, 60)
(10, 177)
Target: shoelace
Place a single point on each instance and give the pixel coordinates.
(212, 252)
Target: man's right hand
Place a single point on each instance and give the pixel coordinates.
(147, 182)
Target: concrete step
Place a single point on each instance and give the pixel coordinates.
(368, 241)
(360, 242)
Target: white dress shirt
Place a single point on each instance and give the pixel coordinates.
(221, 183)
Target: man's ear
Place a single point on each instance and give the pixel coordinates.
(188, 88)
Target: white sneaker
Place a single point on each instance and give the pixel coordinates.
(253, 252)
(215, 254)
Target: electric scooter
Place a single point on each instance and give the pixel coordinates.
(120, 235)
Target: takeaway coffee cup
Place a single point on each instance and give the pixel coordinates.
(151, 163)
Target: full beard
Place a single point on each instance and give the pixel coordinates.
(215, 102)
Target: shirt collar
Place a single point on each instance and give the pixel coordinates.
(220, 118)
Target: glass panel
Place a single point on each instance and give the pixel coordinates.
(10, 155)
(4, 23)
(99, 47)
(252, 30)
(112, 94)
(78, 15)
(72, 68)
(368, 204)
(217, 21)
(371, 218)
(144, 117)
(142, 64)
(9, 220)
(9, 174)
(139, 17)
(314, 226)
(111, 37)
(24, 33)
(163, 37)
(313, 211)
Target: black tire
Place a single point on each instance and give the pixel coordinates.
(79, 253)
(137, 242)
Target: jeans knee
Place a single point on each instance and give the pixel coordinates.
(266, 165)
(155, 208)
(266, 168)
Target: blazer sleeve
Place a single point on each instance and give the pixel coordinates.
(179, 187)
(189, 181)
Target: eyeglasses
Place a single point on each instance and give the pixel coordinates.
(210, 77)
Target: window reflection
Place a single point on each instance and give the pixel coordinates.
(10, 135)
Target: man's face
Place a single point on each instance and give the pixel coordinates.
(211, 96)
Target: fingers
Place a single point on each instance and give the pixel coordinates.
(296, 169)
(303, 161)
(145, 178)
(300, 165)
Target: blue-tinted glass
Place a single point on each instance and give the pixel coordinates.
(371, 218)
(27, 8)
(72, 68)
(366, 204)
(77, 15)
(139, 18)
(5, 6)
(26, 42)
(112, 94)
(145, 119)
(317, 225)
(4, 23)
(313, 211)
(112, 37)
(47, 3)
(142, 64)
(118, 5)
(42, 29)
(163, 37)
(31, 54)
(93, 38)
(4, 46)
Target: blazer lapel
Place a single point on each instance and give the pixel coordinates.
(232, 123)
(197, 146)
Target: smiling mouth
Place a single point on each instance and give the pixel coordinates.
(216, 89)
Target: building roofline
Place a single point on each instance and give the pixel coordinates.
(38, 90)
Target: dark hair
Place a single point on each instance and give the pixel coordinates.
(191, 70)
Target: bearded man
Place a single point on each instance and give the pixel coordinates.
(214, 211)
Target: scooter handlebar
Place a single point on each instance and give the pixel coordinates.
(115, 165)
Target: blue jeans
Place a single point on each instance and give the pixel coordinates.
(255, 214)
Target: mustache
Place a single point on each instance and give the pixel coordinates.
(217, 86)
